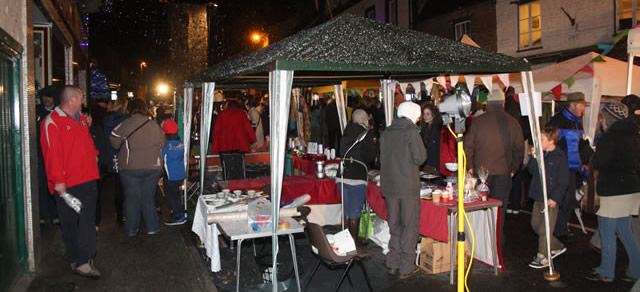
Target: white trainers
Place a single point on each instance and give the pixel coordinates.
(88, 270)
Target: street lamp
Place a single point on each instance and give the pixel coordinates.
(256, 37)
(142, 65)
(163, 88)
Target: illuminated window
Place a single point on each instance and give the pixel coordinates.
(530, 25)
(462, 28)
(624, 13)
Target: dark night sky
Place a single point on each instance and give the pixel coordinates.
(137, 30)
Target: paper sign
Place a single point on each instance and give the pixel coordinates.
(524, 104)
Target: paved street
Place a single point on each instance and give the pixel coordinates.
(171, 261)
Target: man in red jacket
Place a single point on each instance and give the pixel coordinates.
(71, 165)
(232, 137)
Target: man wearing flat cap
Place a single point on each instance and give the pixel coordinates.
(579, 152)
(494, 141)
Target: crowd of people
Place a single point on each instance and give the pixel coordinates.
(120, 139)
(125, 142)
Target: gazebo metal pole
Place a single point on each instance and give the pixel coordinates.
(187, 117)
(280, 82)
(205, 127)
(527, 80)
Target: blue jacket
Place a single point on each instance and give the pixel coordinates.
(570, 129)
(173, 157)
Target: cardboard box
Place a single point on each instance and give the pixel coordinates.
(435, 256)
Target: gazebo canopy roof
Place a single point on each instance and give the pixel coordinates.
(351, 47)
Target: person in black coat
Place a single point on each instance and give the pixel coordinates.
(355, 174)
(556, 177)
(617, 162)
(49, 99)
(431, 131)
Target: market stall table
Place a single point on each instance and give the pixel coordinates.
(325, 198)
(439, 222)
(308, 166)
(208, 233)
(239, 231)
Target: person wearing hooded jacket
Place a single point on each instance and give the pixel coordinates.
(174, 174)
(401, 154)
(355, 175)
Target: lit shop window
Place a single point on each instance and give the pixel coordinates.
(530, 25)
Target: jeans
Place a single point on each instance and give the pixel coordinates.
(608, 228)
(139, 191)
(353, 200)
(79, 230)
(172, 195)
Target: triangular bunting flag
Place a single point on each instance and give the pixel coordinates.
(587, 69)
(470, 80)
(620, 36)
(487, 81)
(569, 81)
(598, 59)
(403, 87)
(442, 80)
(454, 80)
(428, 84)
(504, 78)
(416, 86)
(605, 49)
(557, 91)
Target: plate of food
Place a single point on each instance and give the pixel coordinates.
(429, 176)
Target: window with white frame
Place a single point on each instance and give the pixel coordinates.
(530, 25)
(461, 28)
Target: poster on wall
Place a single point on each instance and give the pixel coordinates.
(42, 58)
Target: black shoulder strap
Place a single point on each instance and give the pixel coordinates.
(136, 129)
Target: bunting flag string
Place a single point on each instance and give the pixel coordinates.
(557, 91)
(454, 80)
(587, 69)
(569, 81)
(504, 78)
(442, 80)
(606, 49)
(469, 80)
(487, 81)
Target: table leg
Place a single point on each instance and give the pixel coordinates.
(295, 260)
(238, 264)
(452, 240)
(494, 242)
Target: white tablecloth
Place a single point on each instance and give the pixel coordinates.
(208, 233)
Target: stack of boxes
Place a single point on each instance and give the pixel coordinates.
(435, 256)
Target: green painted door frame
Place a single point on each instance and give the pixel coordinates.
(13, 255)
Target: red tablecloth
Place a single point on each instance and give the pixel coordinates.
(433, 217)
(322, 191)
(307, 166)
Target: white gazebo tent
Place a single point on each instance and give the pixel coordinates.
(608, 79)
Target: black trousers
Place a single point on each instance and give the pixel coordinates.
(567, 206)
(500, 189)
(79, 230)
(172, 195)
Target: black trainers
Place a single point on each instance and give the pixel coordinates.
(595, 276)
(180, 221)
